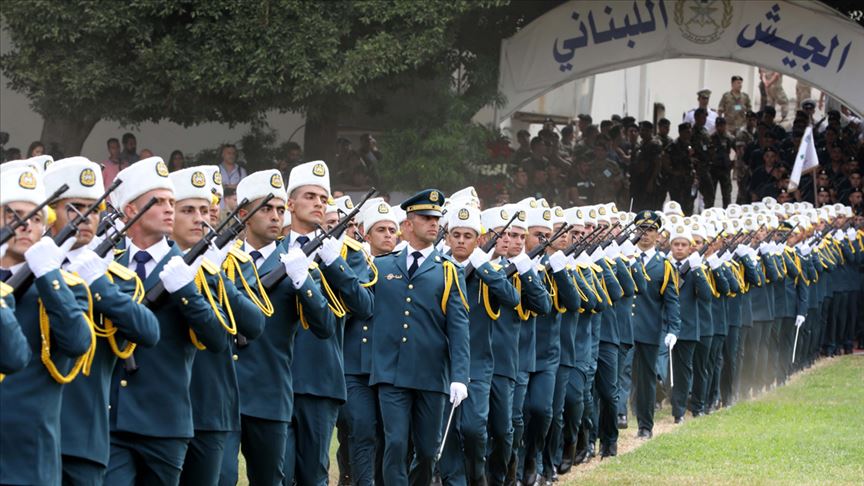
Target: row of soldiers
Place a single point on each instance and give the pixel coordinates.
(172, 338)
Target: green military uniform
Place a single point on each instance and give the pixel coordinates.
(734, 108)
(681, 171)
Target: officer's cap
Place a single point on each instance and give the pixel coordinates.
(83, 177)
(427, 202)
(808, 103)
(704, 92)
(139, 178)
(648, 219)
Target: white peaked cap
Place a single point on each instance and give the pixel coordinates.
(529, 202)
(672, 207)
(313, 173)
(538, 217)
(214, 178)
(191, 183)
(260, 184)
(83, 177)
(140, 178)
(465, 217)
(680, 231)
(468, 194)
(21, 184)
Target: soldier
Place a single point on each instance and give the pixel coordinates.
(264, 365)
(15, 353)
(319, 391)
(149, 442)
(682, 162)
(645, 167)
(85, 437)
(700, 141)
(734, 105)
(721, 145)
(213, 390)
(774, 91)
(606, 175)
(702, 96)
(654, 312)
(30, 402)
(464, 456)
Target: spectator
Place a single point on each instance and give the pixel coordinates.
(537, 158)
(232, 172)
(584, 121)
(112, 165)
(130, 150)
(176, 161)
(145, 154)
(519, 184)
(523, 138)
(774, 91)
(13, 153)
(734, 106)
(36, 148)
(294, 156)
(370, 155)
(702, 96)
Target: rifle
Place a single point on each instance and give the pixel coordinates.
(489, 245)
(582, 241)
(539, 249)
(685, 267)
(442, 232)
(24, 277)
(112, 239)
(275, 276)
(109, 216)
(155, 294)
(7, 231)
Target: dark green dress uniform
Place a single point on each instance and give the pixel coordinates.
(84, 418)
(693, 288)
(753, 277)
(541, 383)
(733, 337)
(835, 291)
(797, 293)
(30, 399)
(464, 457)
(726, 286)
(655, 313)
(420, 345)
(624, 315)
(575, 348)
(505, 352)
(151, 410)
(320, 390)
(14, 351)
(763, 317)
(589, 414)
(808, 345)
(214, 390)
(264, 376)
(702, 371)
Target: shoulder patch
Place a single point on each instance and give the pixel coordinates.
(352, 244)
(239, 254)
(209, 267)
(5, 289)
(71, 279)
(121, 272)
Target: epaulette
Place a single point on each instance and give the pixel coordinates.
(118, 252)
(209, 267)
(237, 243)
(609, 261)
(239, 254)
(352, 244)
(71, 279)
(121, 272)
(540, 268)
(595, 267)
(5, 289)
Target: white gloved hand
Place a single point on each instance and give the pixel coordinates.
(478, 257)
(695, 259)
(176, 274)
(89, 266)
(714, 262)
(45, 255)
(583, 259)
(799, 320)
(670, 340)
(597, 255)
(3, 249)
(458, 393)
(330, 250)
(442, 246)
(296, 266)
(764, 248)
(557, 261)
(217, 255)
(851, 234)
(839, 235)
(522, 263)
(805, 249)
(628, 249)
(612, 251)
(741, 250)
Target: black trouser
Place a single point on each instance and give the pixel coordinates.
(706, 186)
(645, 378)
(682, 358)
(722, 176)
(679, 191)
(729, 376)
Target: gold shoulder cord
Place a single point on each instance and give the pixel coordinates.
(232, 267)
(669, 273)
(517, 283)
(354, 245)
(709, 276)
(109, 331)
(201, 284)
(451, 275)
(553, 285)
(579, 289)
(84, 361)
(332, 302)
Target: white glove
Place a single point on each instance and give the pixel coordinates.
(628, 249)
(851, 233)
(176, 274)
(597, 255)
(764, 248)
(714, 262)
(442, 246)
(799, 320)
(695, 259)
(217, 255)
(612, 251)
(839, 235)
(478, 257)
(557, 261)
(89, 266)
(805, 249)
(670, 340)
(522, 263)
(330, 250)
(45, 255)
(3, 249)
(583, 259)
(458, 392)
(296, 266)
(740, 251)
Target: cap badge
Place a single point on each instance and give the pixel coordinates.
(217, 178)
(547, 215)
(27, 180)
(87, 178)
(319, 170)
(504, 215)
(463, 214)
(276, 181)
(383, 209)
(199, 179)
(161, 169)
(433, 196)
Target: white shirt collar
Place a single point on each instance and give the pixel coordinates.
(425, 252)
(71, 255)
(294, 235)
(265, 251)
(157, 251)
(649, 254)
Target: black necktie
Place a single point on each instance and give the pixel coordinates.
(141, 258)
(5, 274)
(255, 254)
(302, 240)
(642, 257)
(415, 263)
(678, 266)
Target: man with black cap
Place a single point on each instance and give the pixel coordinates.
(700, 141)
(420, 343)
(702, 96)
(734, 105)
(721, 163)
(645, 167)
(681, 167)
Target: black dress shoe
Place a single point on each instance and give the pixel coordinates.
(622, 422)
(478, 482)
(529, 477)
(591, 449)
(608, 450)
(679, 420)
(511, 471)
(567, 458)
(580, 457)
(644, 434)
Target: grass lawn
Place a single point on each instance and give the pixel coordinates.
(808, 432)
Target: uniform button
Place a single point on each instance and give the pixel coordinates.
(407, 299)
(410, 286)
(404, 339)
(364, 340)
(123, 383)
(98, 297)
(341, 267)
(407, 313)
(634, 305)
(633, 314)
(309, 293)
(185, 301)
(530, 278)
(404, 326)
(485, 271)
(365, 328)
(55, 284)
(235, 357)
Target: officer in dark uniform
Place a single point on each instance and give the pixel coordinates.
(14, 351)
(722, 144)
(701, 142)
(420, 342)
(30, 401)
(682, 162)
(645, 167)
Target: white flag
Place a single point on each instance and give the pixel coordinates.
(805, 159)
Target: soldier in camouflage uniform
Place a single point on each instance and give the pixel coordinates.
(734, 106)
